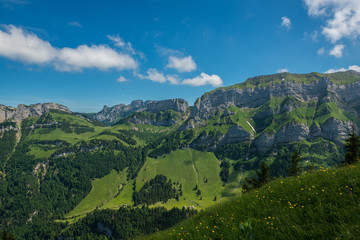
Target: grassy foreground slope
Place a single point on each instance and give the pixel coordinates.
(317, 205)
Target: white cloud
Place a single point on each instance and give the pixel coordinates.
(286, 22)
(283, 70)
(321, 51)
(353, 67)
(185, 64)
(204, 79)
(173, 79)
(121, 79)
(154, 75)
(17, 44)
(75, 24)
(343, 17)
(101, 57)
(337, 51)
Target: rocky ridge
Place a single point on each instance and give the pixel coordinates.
(330, 110)
(22, 111)
(110, 115)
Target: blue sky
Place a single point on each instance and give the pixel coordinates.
(86, 54)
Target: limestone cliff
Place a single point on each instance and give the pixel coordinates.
(23, 111)
(279, 109)
(112, 115)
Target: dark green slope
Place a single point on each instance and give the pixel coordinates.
(50, 170)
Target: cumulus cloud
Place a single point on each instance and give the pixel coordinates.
(204, 79)
(17, 44)
(286, 22)
(121, 79)
(343, 17)
(101, 57)
(283, 70)
(184, 64)
(353, 67)
(337, 51)
(154, 75)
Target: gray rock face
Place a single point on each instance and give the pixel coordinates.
(22, 111)
(236, 134)
(113, 114)
(178, 105)
(153, 122)
(117, 112)
(335, 130)
(343, 98)
(257, 96)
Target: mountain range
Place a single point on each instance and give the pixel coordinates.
(54, 163)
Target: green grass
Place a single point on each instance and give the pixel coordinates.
(40, 153)
(103, 190)
(316, 205)
(189, 168)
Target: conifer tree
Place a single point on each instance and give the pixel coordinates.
(294, 168)
(263, 177)
(352, 146)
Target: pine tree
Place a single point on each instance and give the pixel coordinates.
(294, 168)
(352, 146)
(263, 177)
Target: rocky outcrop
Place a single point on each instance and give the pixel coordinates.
(236, 134)
(118, 112)
(111, 115)
(168, 123)
(178, 105)
(255, 96)
(23, 111)
(329, 104)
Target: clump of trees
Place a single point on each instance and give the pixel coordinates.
(126, 223)
(156, 190)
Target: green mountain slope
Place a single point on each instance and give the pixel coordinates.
(317, 205)
(57, 166)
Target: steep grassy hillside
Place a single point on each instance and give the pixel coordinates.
(189, 168)
(316, 205)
